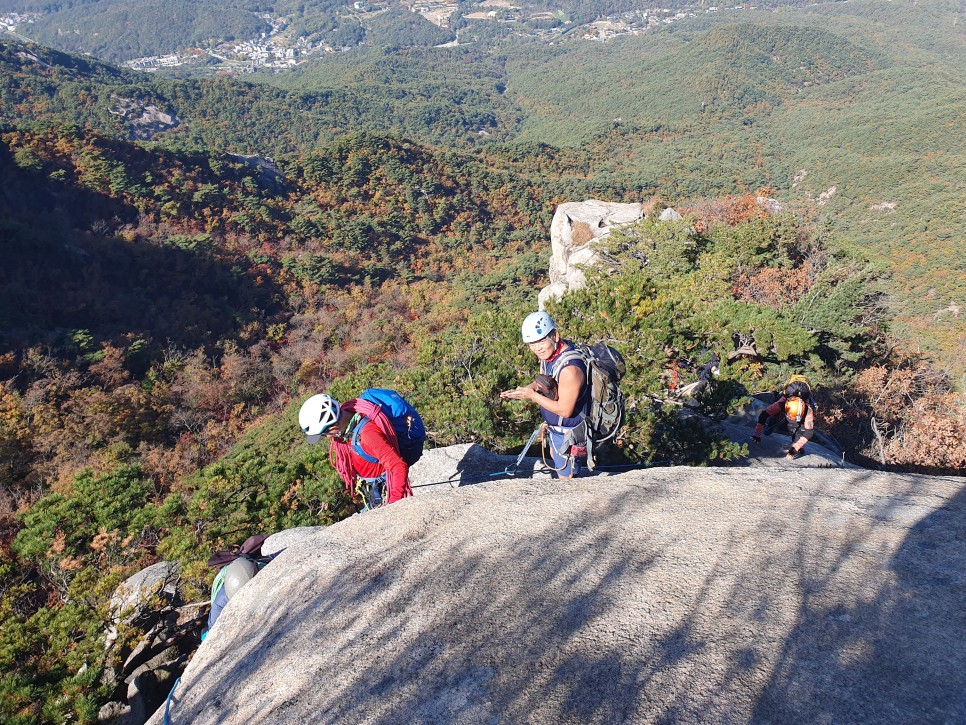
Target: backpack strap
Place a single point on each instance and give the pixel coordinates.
(357, 444)
(554, 369)
(218, 584)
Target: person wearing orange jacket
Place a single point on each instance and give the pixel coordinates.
(367, 458)
(794, 410)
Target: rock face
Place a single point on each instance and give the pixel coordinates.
(670, 215)
(686, 595)
(440, 469)
(573, 230)
(150, 603)
(468, 463)
(269, 173)
(144, 120)
(131, 597)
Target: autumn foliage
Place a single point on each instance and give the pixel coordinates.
(162, 315)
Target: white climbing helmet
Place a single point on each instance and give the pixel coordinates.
(317, 414)
(537, 326)
(238, 574)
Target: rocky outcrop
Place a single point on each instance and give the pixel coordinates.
(670, 215)
(469, 463)
(685, 595)
(143, 120)
(144, 668)
(440, 469)
(573, 232)
(132, 598)
(269, 174)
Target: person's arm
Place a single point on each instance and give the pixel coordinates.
(809, 422)
(374, 443)
(509, 394)
(569, 385)
(773, 409)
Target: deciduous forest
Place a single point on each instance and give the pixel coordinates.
(166, 303)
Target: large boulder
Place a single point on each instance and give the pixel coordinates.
(439, 470)
(137, 596)
(142, 668)
(468, 463)
(574, 230)
(686, 595)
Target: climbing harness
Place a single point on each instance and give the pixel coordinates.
(371, 491)
(543, 451)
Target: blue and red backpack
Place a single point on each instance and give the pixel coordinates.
(405, 421)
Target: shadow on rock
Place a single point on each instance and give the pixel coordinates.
(673, 595)
(891, 654)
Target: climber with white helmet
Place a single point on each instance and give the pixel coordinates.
(561, 391)
(317, 416)
(371, 448)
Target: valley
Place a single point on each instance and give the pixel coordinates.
(277, 47)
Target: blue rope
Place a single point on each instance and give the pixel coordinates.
(167, 703)
(508, 472)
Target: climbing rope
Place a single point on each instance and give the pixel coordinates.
(508, 472)
(167, 703)
(543, 451)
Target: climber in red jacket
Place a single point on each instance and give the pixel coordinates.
(364, 447)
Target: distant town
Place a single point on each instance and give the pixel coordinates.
(276, 49)
(11, 21)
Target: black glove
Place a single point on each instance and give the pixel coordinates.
(792, 454)
(756, 438)
(546, 386)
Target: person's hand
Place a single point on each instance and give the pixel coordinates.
(517, 394)
(792, 454)
(756, 438)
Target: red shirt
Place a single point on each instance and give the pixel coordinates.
(375, 443)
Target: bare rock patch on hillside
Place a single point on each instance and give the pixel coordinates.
(676, 595)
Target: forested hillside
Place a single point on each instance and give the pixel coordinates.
(116, 31)
(835, 115)
(849, 110)
(122, 30)
(382, 218)
(163, 315)
(460, 105)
